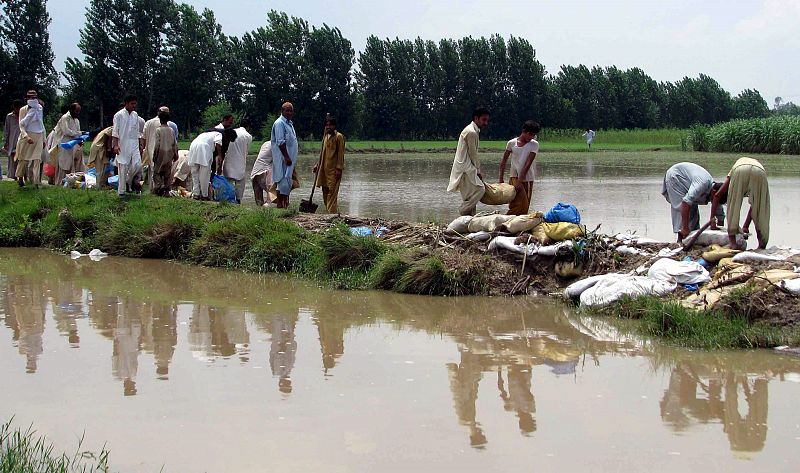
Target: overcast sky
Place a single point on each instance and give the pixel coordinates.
(742, 43)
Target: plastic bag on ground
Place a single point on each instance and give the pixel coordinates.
(715, 237)
(488, 223)
(460, 225)
(775, 253)
(523, 223)
(576, 289)
(498, 194)
(223, 190)
(791, 285)
(614, 287)
(680, 272)
(562, 212)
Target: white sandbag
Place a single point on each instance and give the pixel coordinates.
(460, 225)
(614, 287)
(533, 248)
(791, 285)
(681, 272)
(576, 289)
(669, 253)
(478, 236)
(96, 252)
(628, 250)
(632, 239)
(75, 254)
(775, 253)
(715, 237)
(488, 223)
(551, 250)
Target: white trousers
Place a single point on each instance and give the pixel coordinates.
(201, 177)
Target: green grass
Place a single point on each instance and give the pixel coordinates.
(706, 329)
(219, 235)
(25, 451)
(779, 134)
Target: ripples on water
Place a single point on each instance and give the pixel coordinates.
(199, 368)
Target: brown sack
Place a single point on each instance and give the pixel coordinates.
(498, 194)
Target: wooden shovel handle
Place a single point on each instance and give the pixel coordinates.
(690, 243)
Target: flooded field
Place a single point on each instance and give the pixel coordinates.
(198, 369)
(620, 196)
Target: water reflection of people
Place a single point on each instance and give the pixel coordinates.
(282, 351)
(127, 334)
(720, 401)
(218, 332)
(464, 380)
(518, 398)
(25, 314)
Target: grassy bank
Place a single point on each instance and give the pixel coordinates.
(236, 237)
(726, 327)
(25, 451)
(779, 134)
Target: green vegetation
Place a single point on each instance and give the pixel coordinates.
(723, 328)
(245, 238)
(779, 134)
(24, 451)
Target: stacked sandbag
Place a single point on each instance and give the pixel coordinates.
(715, 237)
(523, 223)
(498, 194)
(488, 223)
(680, 272)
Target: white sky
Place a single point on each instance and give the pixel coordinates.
(741, 43)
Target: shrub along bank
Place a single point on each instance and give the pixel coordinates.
(270, 240)
(777, 135)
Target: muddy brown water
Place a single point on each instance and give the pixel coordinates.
(621, 198)
(198, 369)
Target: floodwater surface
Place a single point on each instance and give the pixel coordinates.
(198, 369)
(623, 198)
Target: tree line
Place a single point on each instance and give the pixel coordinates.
(167, 52)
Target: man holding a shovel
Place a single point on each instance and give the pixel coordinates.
(284, 152)
(331, 164)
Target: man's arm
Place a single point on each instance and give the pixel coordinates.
(220, 159)
(685, 209)
(503, 163)
(340, 145)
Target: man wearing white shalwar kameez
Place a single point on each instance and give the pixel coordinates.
(201, 159)
(466, 176)
(68, 128)
(127, 144)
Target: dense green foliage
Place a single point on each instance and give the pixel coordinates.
(167, 52)
(777, 135)
(228, 236)
(26, 56)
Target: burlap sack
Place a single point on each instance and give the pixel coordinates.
(498, 194)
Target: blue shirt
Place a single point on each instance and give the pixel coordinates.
(283, 133)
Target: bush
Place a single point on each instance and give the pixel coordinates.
(776, 135)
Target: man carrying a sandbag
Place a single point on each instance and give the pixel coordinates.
(466, 176)
(522, 150)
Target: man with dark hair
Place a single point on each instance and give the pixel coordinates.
(165, 152)
(685, 187)
(329, 170)
(284, 152)
(127, 144)
(11, 135)
(227, 121)
(68, 128)
(466, 176)
(522, 150)
(235, 162)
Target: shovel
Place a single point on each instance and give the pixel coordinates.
(689, 243)
(308, 206)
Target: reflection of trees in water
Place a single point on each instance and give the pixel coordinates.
(714, 396)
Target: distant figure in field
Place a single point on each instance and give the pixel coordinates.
(686, 186)
(589, 135)
(522, 150)
(284, 153)
(128, 145)
(165, 152)
(329, 171)
(747, 178)
(465, 175)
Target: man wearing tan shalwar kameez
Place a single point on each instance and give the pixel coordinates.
(329, 170)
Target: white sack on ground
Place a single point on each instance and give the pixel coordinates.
(576, 289)
(489, 223)
(631, 239)
(614, 287)
(715, 237)
(509, 244)
(478, 236)
(681, 272)
(791, 285)
(776, 253)
(460, 225)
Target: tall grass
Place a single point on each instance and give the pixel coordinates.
(25, 451)
(776, 135)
